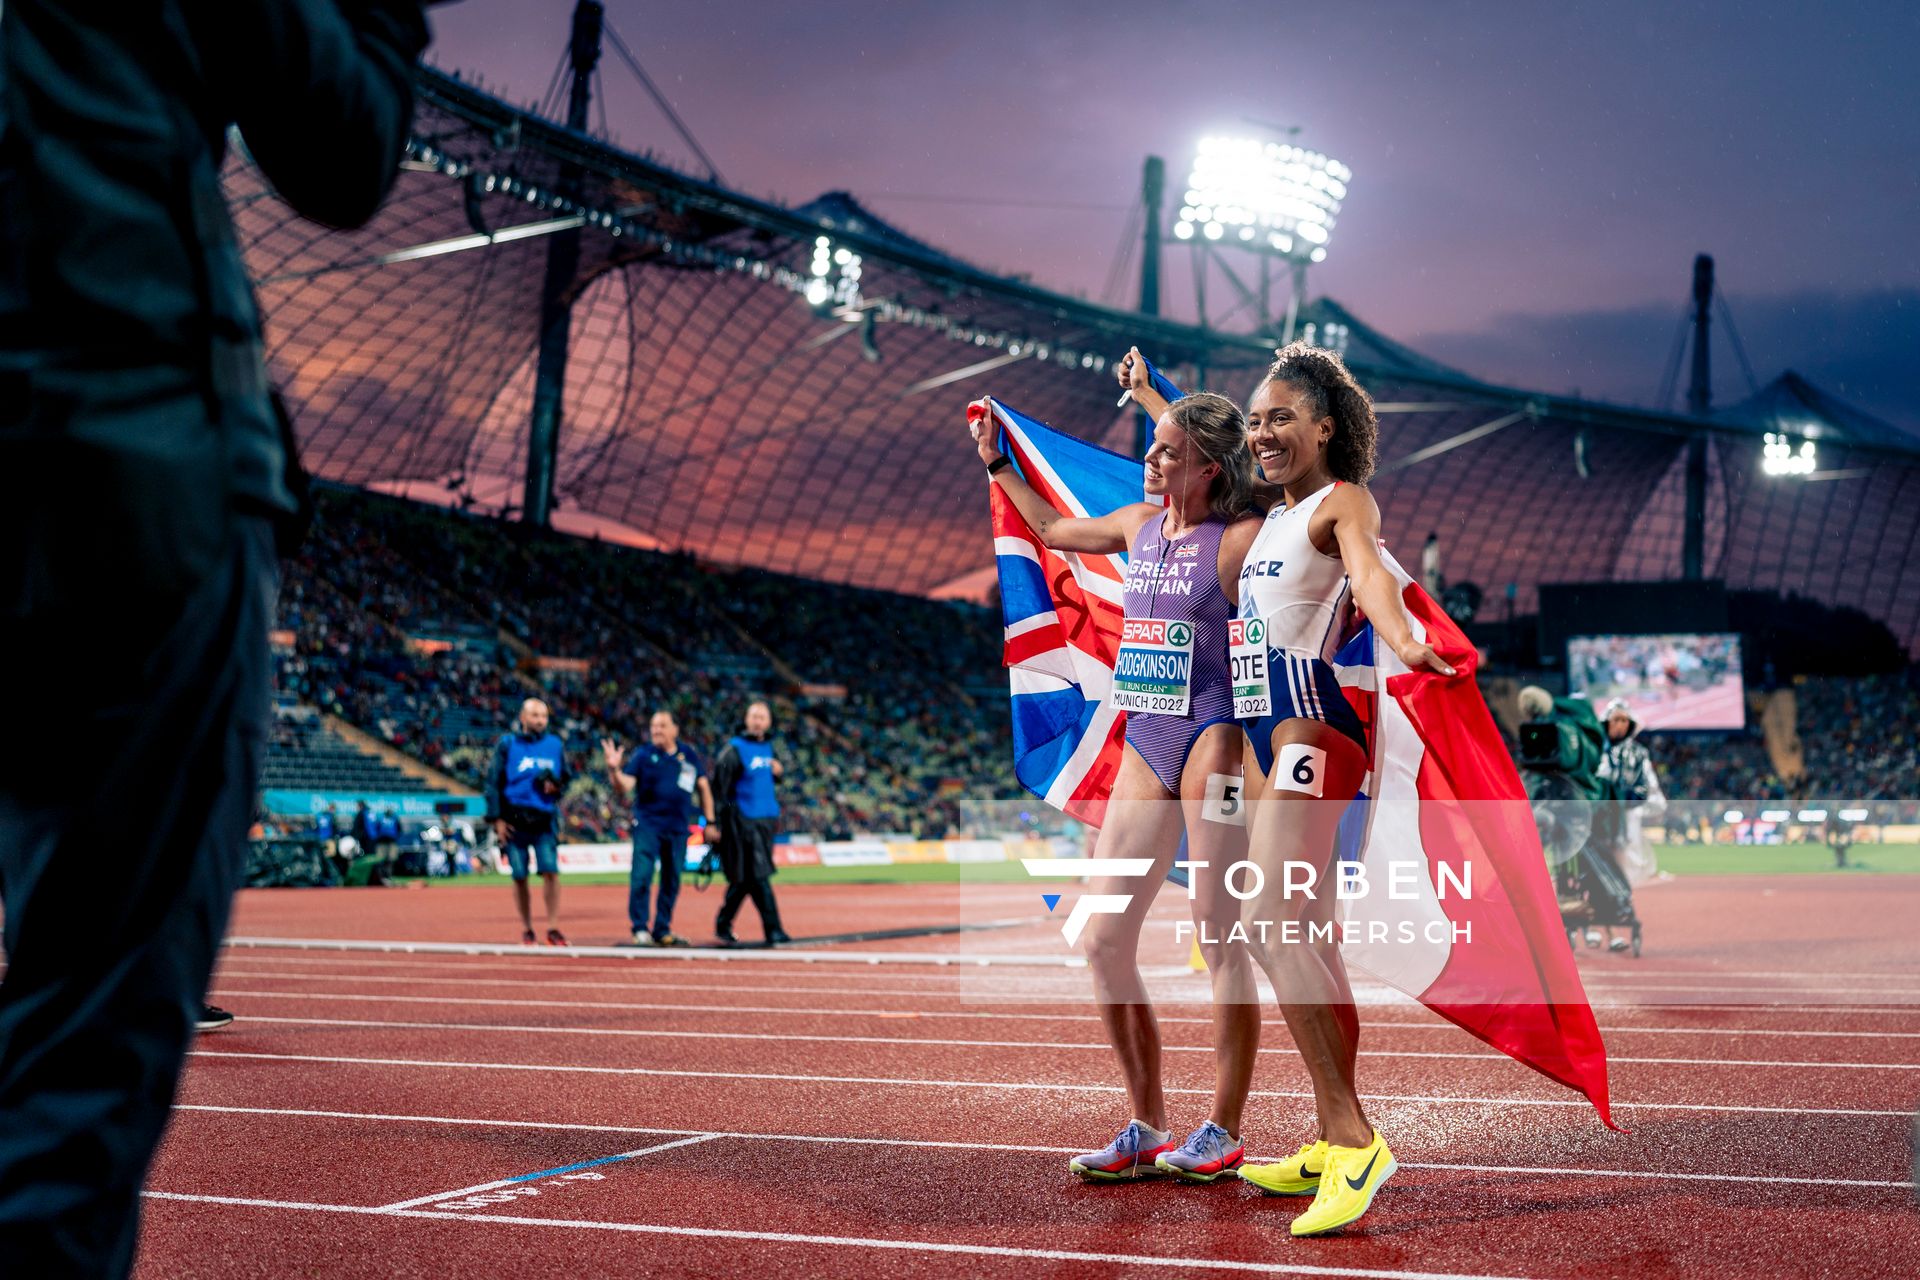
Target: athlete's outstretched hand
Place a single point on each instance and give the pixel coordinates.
(1420, 657)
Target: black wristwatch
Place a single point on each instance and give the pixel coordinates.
(999, 464)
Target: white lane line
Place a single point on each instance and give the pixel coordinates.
(516, 1180)
(1192, 1265)
(847, 1140)
(984, 1016)
(960, 960)
(489, 964)
(958, 988)
(661, 955)
(1088, 1045)
(1023, 1085)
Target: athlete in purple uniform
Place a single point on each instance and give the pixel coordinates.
(1180, 769)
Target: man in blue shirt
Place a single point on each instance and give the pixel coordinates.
(524, 786)
(665, 781)
(744, 774)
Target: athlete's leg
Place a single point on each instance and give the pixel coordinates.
(1294, 822)
(1217, 836)
(1143, 820)
(1322, 922)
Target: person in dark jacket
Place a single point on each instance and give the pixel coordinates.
(145, 472)
(667, 782)
(744, 774)
(524, 786)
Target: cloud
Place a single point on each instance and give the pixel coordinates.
(1857, 346)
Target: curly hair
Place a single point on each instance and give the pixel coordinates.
(1322, 376)
(1219, 431)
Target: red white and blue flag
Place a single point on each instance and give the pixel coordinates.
(1442, 788)
(1062, 613)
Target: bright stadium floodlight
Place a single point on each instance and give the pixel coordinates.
(1779, 457)
(1733, 815)
(1813, 815)
(1775, 815)
(1269, 196)
(1853, 815)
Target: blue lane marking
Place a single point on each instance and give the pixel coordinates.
(571, 1168)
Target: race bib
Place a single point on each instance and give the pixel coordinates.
(1154, 671)
(1226, 800)
(1299, 767)
(687, 776)
(1247, 663)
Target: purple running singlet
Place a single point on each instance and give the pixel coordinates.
(1178, 581)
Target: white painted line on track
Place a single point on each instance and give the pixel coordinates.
(802, 956)
(797, 954)
(850, 1140)
(518, 1179)
(1194, 1265)
(486, 964)
(1088, 1045)
(1194, 991)
(1022, 1085)
(996, 1015)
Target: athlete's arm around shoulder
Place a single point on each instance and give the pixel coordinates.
(1234, 545)
(1356, 532)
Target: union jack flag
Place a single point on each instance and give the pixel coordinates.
(1062, 613)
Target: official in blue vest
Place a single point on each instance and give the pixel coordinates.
(666, 781)
(524, 785)
(744, 774)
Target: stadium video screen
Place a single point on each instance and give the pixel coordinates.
(1670, 681)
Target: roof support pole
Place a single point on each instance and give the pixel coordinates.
(556, 291)
(1699, 404)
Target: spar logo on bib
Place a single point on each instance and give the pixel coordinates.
(1154, 669)
(1246, 631)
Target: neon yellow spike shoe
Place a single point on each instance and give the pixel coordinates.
(1349, 1182)
(1298, 1176)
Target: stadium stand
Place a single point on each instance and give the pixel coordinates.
(398, 628)
(885, 703)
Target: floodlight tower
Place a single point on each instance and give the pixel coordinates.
(1275, 200)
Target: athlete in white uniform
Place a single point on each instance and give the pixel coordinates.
(1312, 431)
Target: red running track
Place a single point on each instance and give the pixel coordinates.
(539, 1114)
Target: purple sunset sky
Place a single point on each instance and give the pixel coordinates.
(1531, 180)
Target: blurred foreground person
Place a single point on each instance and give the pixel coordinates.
(145, 472)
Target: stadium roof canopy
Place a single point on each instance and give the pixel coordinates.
(709, 407)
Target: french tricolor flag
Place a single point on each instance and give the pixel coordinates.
(1443, 792)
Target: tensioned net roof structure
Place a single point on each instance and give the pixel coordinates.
(711, 406)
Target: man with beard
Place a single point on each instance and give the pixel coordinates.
(744, 775)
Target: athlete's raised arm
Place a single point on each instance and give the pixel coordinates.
(1132, 375)
(1100, 535)
(1356, 529)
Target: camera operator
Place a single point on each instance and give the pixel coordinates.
(524, 785)
(149, 478)
(1562, 745)
(1633, 790)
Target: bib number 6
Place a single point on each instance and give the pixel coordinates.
(1299, 767)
